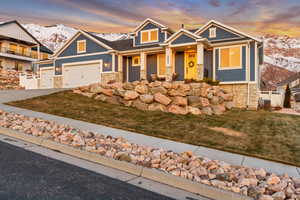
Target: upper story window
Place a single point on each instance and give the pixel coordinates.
(212, 32)
(230, 58)
(81, 46)
(149, 36)
(136, 61)
(13, 48)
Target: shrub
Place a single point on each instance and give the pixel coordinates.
(287, 98)
(205, 80)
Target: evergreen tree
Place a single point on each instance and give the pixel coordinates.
(287, 98)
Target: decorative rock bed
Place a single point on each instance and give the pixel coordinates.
(256, 183)
(9, 79)
(173, 97)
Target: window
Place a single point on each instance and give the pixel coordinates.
(212, 33)
(44, 56)
(81, 46)
(161, 64)
(136, 61)
(22, 50)
(149, 36)
(13, 48)
(34, 54)
(230, 57)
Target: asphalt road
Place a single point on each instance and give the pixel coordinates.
(25, 175)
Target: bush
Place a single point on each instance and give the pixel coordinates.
(287, 98)
(205, 80)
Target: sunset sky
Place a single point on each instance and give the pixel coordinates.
(253, 16)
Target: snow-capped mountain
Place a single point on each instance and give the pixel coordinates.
(55, 36)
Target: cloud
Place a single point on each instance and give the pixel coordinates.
(214, 3)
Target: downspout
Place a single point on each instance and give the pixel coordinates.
(248, 78)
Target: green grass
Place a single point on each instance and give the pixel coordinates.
(266, 135)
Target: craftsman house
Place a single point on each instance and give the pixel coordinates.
(18, 48)
(214, 51)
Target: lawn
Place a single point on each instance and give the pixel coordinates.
(262, 134)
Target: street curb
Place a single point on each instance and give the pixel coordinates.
(151, 174)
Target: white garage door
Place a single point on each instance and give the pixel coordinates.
(46, 78)
(81, 75)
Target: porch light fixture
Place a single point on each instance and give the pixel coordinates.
(106, 64)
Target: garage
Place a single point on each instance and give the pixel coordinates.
(46, 78)
(75, 75)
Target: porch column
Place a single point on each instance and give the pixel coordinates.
(200, 61)
(168, 64)
(143, 66)
(120, 68)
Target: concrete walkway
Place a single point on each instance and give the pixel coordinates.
(231, 158)
(16, 95)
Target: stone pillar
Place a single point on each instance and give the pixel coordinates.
(200, 61)
(143, 65)
(168, 64)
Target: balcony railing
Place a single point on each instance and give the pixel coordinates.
(18, 53)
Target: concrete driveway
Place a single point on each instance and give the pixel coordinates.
(16, 95)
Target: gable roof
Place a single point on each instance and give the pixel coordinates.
(24, 29)
(43, 49)
(214, 22)
(149, 20)
(184, 31)
(289, 79)
(100, 41)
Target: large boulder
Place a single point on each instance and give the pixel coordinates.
(147, 98)
(113, 100)
(157, 107)
(180, 101)
(218, 109)
(101, 97)
(207, 111)
(155, 84)
(158, 90)
(95, 88)
(140, 105)
(193, 101)
(194, 110)
(175, 92)
(142, 89)
(119, 92)
(229, 105)
(131, 95)
(128, 86)
(177, 110)
(167, 85)
(160, 98)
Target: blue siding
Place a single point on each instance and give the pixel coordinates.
(179, 65)
(91, 47)
(105, 57)
(133, 71)
(231, 74)
(252, 61)
(183, 39)
(151, 65)
(161, 35)
(116, 63)
(46, 65)
(221, 34)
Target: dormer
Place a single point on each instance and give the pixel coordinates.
(150, 32)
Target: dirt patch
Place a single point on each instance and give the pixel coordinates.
(227, 131)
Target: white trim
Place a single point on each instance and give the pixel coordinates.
(230, 43)
(82, 55)
(145, 22)
(149, 36)
(82, 63)
(214, 64)
(233, 82)
(248, 62)
(127, 67)
(200, 30)
(183, 44)
(235, 67)
(79, 41)
(113, 62)
(139, 50)
(256, 62)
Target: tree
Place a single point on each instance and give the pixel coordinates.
(287, 98)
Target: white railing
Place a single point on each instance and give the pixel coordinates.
(28, 81)
(276, 97)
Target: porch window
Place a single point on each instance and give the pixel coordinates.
(212, 32)
(230, 57)
(136, 61)
(161, 64)
(44, 56)
(149, 36)
(81, 46)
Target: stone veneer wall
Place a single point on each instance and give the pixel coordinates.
(240, 94)
(110, 76)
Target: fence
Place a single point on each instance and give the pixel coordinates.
(276, 98)
(29, 81)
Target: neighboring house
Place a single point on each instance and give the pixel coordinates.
(214, 51)
(18, 48)
(293, 82)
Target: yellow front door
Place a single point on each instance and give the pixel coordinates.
(190, 66)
